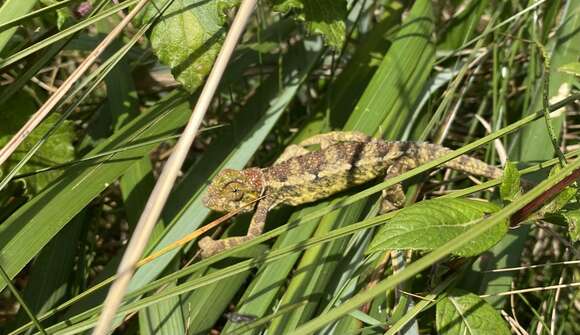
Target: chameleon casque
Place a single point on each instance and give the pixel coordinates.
(300, 176)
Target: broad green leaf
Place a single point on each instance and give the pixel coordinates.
(510, 184)
(462, 313)
(58, 148)
(188, 38)
(263, 47)
(571, 68)
(429, 224)
(288, 5)
(324, 17)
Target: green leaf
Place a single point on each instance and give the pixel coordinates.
(285, 6)
(263, 47)
(429, 224)
(62, 14)
(573, 220)
(465, 313)
(571, 68)
(188, 38)
(324, 17)
(57, 149)
(510, 184)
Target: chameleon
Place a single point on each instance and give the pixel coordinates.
(300, 176)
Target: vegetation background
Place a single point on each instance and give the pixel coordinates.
(477, 76)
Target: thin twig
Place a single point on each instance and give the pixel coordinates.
(532, 289)
(529, 267)
(167, 178)
(54, 99)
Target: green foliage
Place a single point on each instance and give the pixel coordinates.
(188, 38)
(395, 87)
(429, 224)
(573, 220)
(406, 68)
(461, 28)
(461, 312)
(563, 209)
(39, 224)
(56, 150)
(510, 184)
(324, 17)
(62, 14)
(560, 200)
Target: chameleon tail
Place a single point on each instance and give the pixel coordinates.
(425, 152)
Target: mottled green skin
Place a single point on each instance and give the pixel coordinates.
(337, 166)
(322, 173)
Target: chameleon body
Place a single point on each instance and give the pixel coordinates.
(299, 176)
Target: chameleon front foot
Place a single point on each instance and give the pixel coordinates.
(209, 247)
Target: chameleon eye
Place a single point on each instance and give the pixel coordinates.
(234, 191)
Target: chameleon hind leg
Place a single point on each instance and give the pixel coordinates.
(394, 197)
(333, 137)
(210, 247)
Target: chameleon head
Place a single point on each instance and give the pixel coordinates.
(232, 189)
